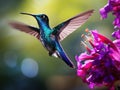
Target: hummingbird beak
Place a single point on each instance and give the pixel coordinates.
(28, 14)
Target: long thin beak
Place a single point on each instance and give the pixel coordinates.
(28, 14)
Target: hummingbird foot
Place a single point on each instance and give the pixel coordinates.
(54, 54)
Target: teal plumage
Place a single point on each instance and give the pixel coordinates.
(50, 38)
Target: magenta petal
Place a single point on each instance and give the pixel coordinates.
(84, 56)
(105, 40)
(81, 73)
(103, 13)
(116, 34)
(76, 58)
(92, 85)
(117, 42)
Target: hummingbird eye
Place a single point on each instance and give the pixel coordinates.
(44, 17)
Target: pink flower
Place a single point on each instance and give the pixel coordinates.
(100, 65)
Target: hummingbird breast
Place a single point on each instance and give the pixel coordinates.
(48, 42)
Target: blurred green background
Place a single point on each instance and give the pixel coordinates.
(24, 63)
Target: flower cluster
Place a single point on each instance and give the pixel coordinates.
(100, 65)
(114, 7)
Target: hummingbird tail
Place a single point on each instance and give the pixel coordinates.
(65, 58)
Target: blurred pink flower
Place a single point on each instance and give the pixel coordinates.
(114, 7)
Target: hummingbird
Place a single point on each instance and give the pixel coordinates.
(51, 37)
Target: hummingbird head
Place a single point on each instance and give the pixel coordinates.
(41, 18)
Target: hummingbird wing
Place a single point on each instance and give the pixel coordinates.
(67, 27)
(26, 28)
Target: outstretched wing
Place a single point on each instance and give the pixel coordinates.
(26, 28)
(66, 28)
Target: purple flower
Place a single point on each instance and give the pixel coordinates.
(114, 7)
(100, 65)
(116, 33)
